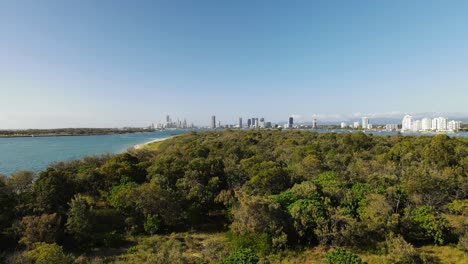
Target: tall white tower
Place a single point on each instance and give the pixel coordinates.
(365, 123)
(407, 123)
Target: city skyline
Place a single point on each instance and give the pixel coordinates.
(107, 64)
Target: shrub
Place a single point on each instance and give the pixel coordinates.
(427, 224)
(113, 239)
(399, 251)
(342, 256)
(241, 255)
(43, 253)
(44, 228)
(152, 224)
(259, 242)
(463, 243)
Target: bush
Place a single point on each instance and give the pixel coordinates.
(426, 223)
(152, 224)
(399, 251)
(259, 242)
(342, 256)
(113, 239)
(242, 255)
(43, 253)
(463, 243)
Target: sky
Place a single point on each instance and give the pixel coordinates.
(104, 63)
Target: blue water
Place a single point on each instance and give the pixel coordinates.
(35, 153)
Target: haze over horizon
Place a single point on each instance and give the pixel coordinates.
(110, 63)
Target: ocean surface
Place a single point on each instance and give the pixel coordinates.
(35, 153)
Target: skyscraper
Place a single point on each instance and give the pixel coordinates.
(240, 122)
(249, 122)
(365, 122)
(291, 122)
(314, 123)
(426, 124)
(213, 122)
(407, 123)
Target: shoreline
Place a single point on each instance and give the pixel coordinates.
(139, 146)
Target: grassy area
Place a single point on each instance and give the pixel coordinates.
(446, 254)
(152, 146)
(213, 247)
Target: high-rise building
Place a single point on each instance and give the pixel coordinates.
(416, 126)
(356, 125)
(442, 124)
(344, 125)
(261, 124)
(454, 126)
(391, 127)
(249, 123)
(267, 124)
(213, 122)
(407, 123)
(240, 122)
(365, 122)
(314, 123)
(435, 124)
(291, 122)
(426, 124)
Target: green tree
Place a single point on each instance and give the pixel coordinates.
(425, 223)
(21, 181)
(52, 190)
(268, 177)
(44, 228)
(120, 169)
(306, 214)
(79, 221)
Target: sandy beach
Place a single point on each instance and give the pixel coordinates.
(138, 146)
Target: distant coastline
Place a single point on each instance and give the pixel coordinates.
(65, 132)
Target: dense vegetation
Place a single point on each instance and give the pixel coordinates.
(69, 132)
(237, 196)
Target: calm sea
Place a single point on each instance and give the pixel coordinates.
(35, 153)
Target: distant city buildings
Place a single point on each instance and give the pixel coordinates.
(438, 124)
(391, 127)
(408, 124)
(290, 122)
(213, 122)
(170, 124)
(365, 123)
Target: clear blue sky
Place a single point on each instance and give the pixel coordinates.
(115, 63)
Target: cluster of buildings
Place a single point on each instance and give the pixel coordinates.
(439, 124)
(173, 124)
(364, 124)
(251, 123)
(409, 124)
(255, 122)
